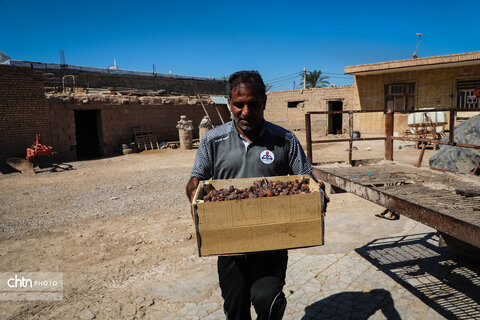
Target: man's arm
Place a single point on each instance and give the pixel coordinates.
(192, 187)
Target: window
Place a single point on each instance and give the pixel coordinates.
(295, 104)
(468, 94)
(395, 89)
(400, 96)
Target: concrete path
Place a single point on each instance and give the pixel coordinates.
(369, 268)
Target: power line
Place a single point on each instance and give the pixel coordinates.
(288, 75)
(287, 80)
(282, 80)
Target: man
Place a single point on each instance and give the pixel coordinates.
(248, 147)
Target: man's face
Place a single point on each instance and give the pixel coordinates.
(247, 106)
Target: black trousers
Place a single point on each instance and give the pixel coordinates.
(256, 279)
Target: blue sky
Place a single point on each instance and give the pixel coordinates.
(216, 38)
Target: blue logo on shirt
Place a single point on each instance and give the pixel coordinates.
(267, 157)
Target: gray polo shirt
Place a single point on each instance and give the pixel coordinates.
(222, 154)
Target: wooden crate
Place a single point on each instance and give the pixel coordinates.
(258, 224)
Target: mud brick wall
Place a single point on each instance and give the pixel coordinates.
(316, 99)
(434, 88)
(117, 122)
(92, 79)
(24, 110)
(63, 131)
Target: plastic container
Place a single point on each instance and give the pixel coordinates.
(421, 121)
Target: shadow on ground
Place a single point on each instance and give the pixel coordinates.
(446, 281)
(54, 167)
(353, 305)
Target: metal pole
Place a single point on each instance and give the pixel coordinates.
(452, 126)
(420, 158)
(388, 135)
(308, 134)
(350, 141)
(304, 77)
(204, 109)
(219, 114)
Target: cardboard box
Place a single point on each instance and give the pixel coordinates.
(258, 224)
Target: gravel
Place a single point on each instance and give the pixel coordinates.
(91, 191)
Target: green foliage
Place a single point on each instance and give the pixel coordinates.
(314, 79)
(268, 87)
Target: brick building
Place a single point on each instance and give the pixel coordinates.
(103, 119)
(446, 81)
(24, 110)
(287, 108)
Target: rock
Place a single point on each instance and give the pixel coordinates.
(20, 164)
(129, 310)
(86, 314)
(149, 302)
(460, 159)
(114, 198)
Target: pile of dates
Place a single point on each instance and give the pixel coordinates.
(260, 188)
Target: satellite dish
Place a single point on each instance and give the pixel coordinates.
(113, 66)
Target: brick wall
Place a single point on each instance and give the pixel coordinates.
(434, 88)
(92, 79)
(314, 100)
(24, 110)
(117, 122)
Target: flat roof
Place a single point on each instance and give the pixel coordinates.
(435, 62)
(46, 65)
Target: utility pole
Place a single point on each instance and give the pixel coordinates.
(416, 49)
(293, 84)
(304, 77)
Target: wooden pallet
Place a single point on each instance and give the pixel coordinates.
(145, 138)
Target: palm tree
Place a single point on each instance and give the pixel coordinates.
(314, 79)
(268, 87)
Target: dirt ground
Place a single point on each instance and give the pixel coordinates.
(111, 226)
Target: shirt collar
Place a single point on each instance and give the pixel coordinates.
(245, 139)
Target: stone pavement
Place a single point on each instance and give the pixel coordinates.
(369, 268)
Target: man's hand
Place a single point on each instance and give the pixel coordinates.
(315, 176)
(191, 189)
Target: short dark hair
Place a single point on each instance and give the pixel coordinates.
(251, 79)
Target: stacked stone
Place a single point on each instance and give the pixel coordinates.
(204, 126)
(185, 129)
